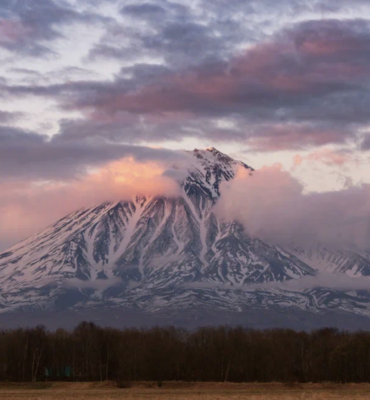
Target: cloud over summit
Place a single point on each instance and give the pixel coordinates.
(272, 206)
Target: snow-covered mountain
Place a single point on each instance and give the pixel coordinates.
(350, 261)
(169, 256)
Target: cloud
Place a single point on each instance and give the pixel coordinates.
(290, 8)
(43, 179)
(12, 31)
(272, 206)
(28, 155)
(97, 284)
(186, 68)
(297, 161)
(334, 6)
(331, 157)
(327, 156)
(365, 145)
(25, 71)
(6, 116)
(306, 86)
(185, 33)
(28, 27)
(143, 10)
(26, 207)
(177, 34)
(293, 136)
(336, 281)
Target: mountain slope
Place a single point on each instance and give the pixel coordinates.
(350, 261)
(162, 255)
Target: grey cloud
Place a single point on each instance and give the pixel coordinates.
(144, 9)
(307, 85)
(284, 135)
(314, 74)
(294, 218)
(338, 282)
(333, 6)
(24, 71)
(34, 23)
(98, 284)
(173, 32)
(125, 127)
(10, 135)
(27, 155)
(133, 128)
(7, 116)
(283, 7)
(365, 145)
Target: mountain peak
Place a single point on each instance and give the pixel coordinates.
(214, 151)
(211, 157)
(210, 168)
(211, 150)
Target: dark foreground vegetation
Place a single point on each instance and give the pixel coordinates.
(91, 353)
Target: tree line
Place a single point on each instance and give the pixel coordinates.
(218, 354)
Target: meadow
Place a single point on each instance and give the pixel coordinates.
(185, 391)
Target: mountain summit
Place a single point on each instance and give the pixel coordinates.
(165, 256)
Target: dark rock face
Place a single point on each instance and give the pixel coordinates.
(168, 256)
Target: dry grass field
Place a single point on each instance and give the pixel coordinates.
(185, 391)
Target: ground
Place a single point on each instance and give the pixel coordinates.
(185, 391)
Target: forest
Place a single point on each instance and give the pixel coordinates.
(210, 354)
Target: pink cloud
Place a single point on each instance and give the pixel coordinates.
(278, 137)
(277, 67)
(327, 156)
(271, 205)
(292, 91)
(12, 31)
(297, 161)
(26, 207)
(330, 157)
(331, 40)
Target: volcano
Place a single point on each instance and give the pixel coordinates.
(172, 260)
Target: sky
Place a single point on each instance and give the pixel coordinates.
(95, 91)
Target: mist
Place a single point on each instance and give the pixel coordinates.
(272, 205)
(334, 281)
(27, 207)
